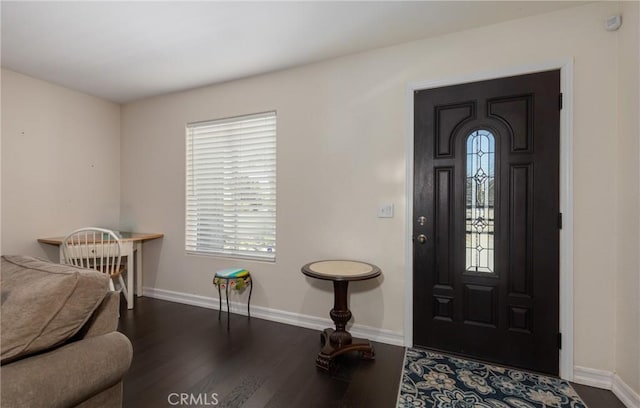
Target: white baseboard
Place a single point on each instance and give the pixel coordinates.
(593, 377)
(280, 316)
(608, 381)
(626, 394)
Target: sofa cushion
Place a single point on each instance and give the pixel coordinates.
(44, 304)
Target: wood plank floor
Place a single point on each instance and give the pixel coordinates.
(258, 363)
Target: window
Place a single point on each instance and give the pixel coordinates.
(480, 199)
(231, 187)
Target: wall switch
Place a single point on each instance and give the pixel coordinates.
(385, 210)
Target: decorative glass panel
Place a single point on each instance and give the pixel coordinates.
(480, 199)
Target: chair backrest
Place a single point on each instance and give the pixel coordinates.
(93, 248)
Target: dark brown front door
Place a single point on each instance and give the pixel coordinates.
(486, 220)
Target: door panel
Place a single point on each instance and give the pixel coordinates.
(486, 181)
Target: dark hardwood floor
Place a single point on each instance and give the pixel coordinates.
(597, 398)
(258, 363)
(181, 349)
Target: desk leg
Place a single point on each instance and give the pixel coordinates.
(139, 269)
(130, 273)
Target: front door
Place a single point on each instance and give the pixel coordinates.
(486, 220)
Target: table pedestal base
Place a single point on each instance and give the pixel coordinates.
(330, 351)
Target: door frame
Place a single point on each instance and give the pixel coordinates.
(566, 194)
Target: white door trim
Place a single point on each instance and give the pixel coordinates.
(566, 196)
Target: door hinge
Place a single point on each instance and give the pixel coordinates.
(559, 220)
(560, 341)
(560, 101)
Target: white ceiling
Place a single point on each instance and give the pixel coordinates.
(123, 51)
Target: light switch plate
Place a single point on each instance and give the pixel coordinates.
(385, 210)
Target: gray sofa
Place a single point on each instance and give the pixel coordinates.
(60, 347)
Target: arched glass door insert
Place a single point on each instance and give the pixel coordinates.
(480, 201)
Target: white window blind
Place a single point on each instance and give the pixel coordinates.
(231, 187)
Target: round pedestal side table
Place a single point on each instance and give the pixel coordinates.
(339, 341)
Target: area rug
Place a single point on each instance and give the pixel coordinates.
(431, 379)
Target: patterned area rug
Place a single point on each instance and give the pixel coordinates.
(431, 379)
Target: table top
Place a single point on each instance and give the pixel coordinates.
(124, 236)
(341, 270)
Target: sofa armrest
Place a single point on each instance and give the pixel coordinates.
(104, 319)
(67, 375)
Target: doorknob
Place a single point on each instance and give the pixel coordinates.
(421, 239)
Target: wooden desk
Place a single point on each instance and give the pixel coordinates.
(131, 243)
(339, 341)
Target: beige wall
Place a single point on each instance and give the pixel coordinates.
(60, 163)
(342, 130)
(628, 282)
